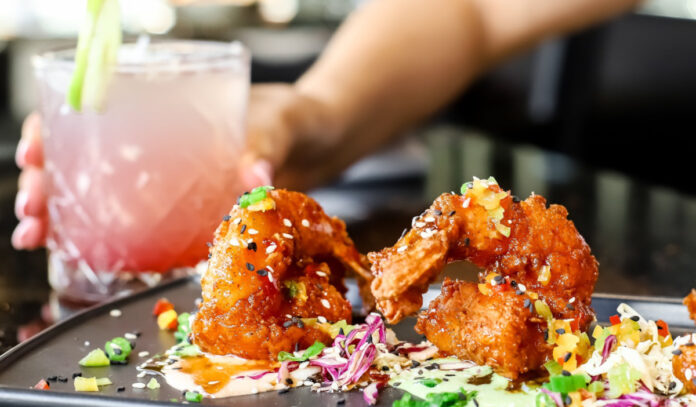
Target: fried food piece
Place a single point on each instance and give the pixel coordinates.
(498, 331)
(534, 248)
(690, 302)
(269, 268)
(534, 245)
(683, 362)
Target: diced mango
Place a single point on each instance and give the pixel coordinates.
(545, 275)
(86, 384)
(166, 319)
(484, 289)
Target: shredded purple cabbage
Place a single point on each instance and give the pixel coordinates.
(608, 344)
(370, 393)
(556, 397)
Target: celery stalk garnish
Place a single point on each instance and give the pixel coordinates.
(97, 50)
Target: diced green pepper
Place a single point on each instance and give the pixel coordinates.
(596, 387)
(193, 396)
(554, 368)
(430, 382)
(188, 351)
(117, 349)
(257, 194)
(544, 400)
(566, 384)
(622, 380)
(184, 327)
(95, 358)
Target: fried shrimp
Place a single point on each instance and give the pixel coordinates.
(532, 258)
(273, 265)
(685, 359)
(690, 302)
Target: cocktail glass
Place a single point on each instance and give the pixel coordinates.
(136, 189)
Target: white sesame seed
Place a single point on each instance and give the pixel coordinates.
(234, 242)
(325, 303)
(143, 354)
(304, 365)
(287, 236)
(572, 300)
(321, 319)
(253, 231)
(305, 223)
(321, 274)
(401, 249)
(466, 203)
(688, 374)
(308, 383)
(270, 277)
(521, 287)
(115, 313)
(270, 269)
(287, 222)
(139, 385)
(249, 241)
(236, 221)
(427, 234)
(429, 219)
(420, 224)
(86, 343)
(270, 249)
(130, 336)
(212, 382)
(288, 316)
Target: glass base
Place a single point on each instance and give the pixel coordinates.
(77, 283)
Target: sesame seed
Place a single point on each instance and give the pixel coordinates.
(143, 354)
(141, 374)
(321, 319)
(242, 230)
(86, 343)
(208, 244)
(419, 224)
(321, 274)
(560, 331)
(250, 267)
(466, 203)
(451, 213)
(284, 390)
(325, 303)
(115, 313)
(572, 300)
(305, 223)
(226, 218)
(262, 272)
(437, 212)
(252, 246)
(138, 385)
(677, 352)
(527, 302)
(688, 374)
(270, 249)
(121, 388)
(429, 219)
(130, 336)
(635, 318)
(567, 356)
(236, 221)
(521, 287)
(401, 249)
(253, 231)
(287, 222)
(287, 324)
(234, 242)
(288, 236)
(565, 373)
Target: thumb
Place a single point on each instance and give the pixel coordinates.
(255, 172)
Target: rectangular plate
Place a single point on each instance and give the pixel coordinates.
(57, 350)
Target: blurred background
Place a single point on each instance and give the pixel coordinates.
(600, 121)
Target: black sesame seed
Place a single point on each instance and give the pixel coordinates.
(420, 372)
(262, 272)
(250, 267)
(560, 331)
(659, 327)
(567, 357)
(120, 389)
(531, 307)
(297, 346)
(516, 199)
(283, 391)
(451, 213)
(444, 379)
(527, 302)
(437, 212)
(467, 241)
(252, 246)
(567, 400)
(397, 383)
(210, 255)
(288, 381)
(300, 324)
(677, 352)
(241, 232)
(226, 218)
(519, 292)
(450, 375)
(76, 374)
(635, 318)
(52, 378)
(415, 363)
(672, 385)
(208, 244)
(570, 307)
(117, 351)
(132, 344)
(546, 334)
(287, 324)
(475, 402)
(137, 334)
(117, 362)
(62, 379)
(385, 368)
(498, 278)
(341, 402)
(513, 283)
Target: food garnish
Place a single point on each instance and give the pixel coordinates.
(118, 349)
(95, 358)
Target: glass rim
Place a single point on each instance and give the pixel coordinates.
(227, 54)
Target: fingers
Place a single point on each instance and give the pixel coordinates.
(31, 198)
(30, 233)
(255, 172)
(30, 147)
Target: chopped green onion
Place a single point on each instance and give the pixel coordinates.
(117, 349)
(188, 351)
(95, 358)
(430, 382)
(553, 367)
(338, 326)
(544, 400)
(184, 327)
(622, 380)
(596, 387)
(193, 396)
(566, 384)
(313, 350)
(256, 195)
(153, 384)
(103, 381)
(599, 342)
(437, 400)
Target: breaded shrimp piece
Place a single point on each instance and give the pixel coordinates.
(686, 360)
(272, 264)
(532, 244)
(690, 302)
(498, 331)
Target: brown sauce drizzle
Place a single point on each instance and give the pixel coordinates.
(478, 380)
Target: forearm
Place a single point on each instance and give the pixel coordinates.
(396, 61)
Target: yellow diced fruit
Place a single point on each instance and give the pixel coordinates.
(533, 295)
(543, 309)
(165, 319)
(490, 277)
(576, 399)
(597, 331)
(484, 289)
(496, 213)
(614, 330)
(502, 229)
(545, 275)
(584, 347)
(567, 341)
(86, 384)
(665, 340)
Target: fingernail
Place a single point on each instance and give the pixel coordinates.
(262, 170)
(19, 236)
(21, 154)
(21, 203)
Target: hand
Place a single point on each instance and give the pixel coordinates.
(278, 117)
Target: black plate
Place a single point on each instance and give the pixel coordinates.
(57, 350)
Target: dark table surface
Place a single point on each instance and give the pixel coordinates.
(644, 236)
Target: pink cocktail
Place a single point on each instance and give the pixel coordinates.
(139, 187)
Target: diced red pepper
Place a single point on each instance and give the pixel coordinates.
(161, 306)
(42, 385)
(575, 325)
(614, 319)
(662, 328)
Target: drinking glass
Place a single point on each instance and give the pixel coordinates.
(136, 189)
